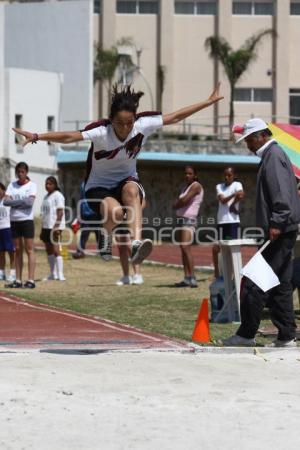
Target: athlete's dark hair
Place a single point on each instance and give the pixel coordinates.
(230, 168)
(21, 165)
(2, 187)
(124, 99)
(53, 180)
(194, 170)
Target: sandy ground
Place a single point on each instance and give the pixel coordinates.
(149, 400)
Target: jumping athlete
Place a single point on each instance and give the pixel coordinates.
(112, 182)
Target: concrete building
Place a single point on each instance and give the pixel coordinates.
(168, 37)
(173, 69)
(29, 99)
(55, 36)
(172, 35)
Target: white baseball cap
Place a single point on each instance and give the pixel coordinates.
(251, 126)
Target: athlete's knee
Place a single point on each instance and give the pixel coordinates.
(130, 191)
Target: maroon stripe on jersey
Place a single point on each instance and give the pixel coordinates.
(100, 123)
(147, 114)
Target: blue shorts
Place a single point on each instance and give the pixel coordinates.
(6, 243)
(228, 231)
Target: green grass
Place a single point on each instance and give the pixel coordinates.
(155, 306)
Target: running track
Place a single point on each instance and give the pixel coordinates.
(27, 325)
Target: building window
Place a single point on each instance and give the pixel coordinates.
(255, 7)
(242, 8)
(295, 8)
(253, 95)
(295, 106)
(196, 7)
(262, 95)
(146, 7)
(263, 8)
(184, 8)
(97, 6)
(137, 7)
(207, 8)
(126, 7)
(18, 124)
(242, 95)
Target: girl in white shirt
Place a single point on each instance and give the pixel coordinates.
(53, 222)
(20, 196)
(6, 242)
(229, 194)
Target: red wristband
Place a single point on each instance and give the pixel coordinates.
(35, 138)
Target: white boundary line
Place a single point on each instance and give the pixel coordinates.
(74, 316)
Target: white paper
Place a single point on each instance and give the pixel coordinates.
(260, 272)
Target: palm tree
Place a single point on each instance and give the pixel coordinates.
(235, 62)
(106, 62)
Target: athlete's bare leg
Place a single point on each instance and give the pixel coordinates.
(131, 198)
(112, 213)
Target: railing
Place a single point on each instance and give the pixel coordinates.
(192, 136)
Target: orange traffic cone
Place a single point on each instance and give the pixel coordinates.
(201, 331)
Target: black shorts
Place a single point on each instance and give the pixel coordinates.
(95, 195)
(227, 231)
(47, 236)
(24, 229)
(122, 230)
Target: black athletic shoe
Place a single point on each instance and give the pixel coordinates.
(14, 285)
(182, 284)
(29, 285)
(78, 255)
(140, 250)
(105, 245)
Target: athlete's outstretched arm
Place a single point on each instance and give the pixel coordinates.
(62, 137)
(177, 116)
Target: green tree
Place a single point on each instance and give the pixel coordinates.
(106, 62)
(235, 62)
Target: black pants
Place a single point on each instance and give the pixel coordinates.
(279, 300)
(86, 229)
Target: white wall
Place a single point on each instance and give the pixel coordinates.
(26, 95)
(56, 37)
(1, 76)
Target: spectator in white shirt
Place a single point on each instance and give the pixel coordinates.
(229, 195)
(53, 222)
(20, 196)
(6, 242)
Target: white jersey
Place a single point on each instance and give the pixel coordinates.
(4, 216)
(50, 205)
(110, 160)
(21, 191)
(224, 215)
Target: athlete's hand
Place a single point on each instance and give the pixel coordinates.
(274, 233)
(215, 96)
(29, 137)
(233, 209)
